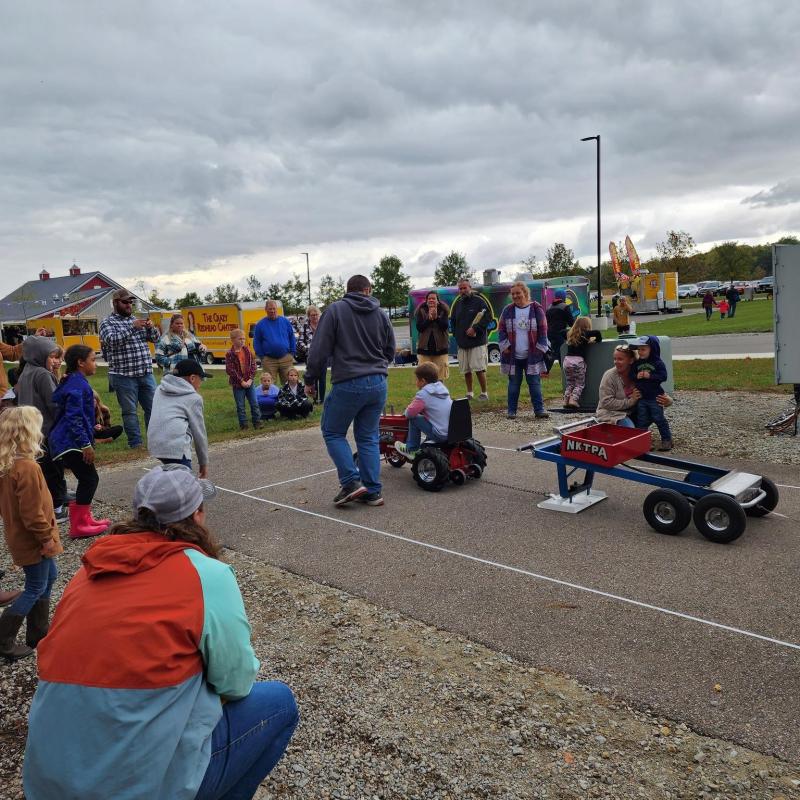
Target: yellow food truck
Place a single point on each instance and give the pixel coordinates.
(212, 324)
(65, 331)
(654, 292)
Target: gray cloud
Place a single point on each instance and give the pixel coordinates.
(176, 137)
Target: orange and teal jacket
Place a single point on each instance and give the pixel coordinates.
(148, 638)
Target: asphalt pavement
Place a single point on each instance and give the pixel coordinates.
(707, 634)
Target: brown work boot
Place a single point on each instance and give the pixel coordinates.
(38, 622)
(7, 598)
(9, 628)
(666, 445)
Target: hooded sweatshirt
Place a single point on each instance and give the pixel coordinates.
(356, 335)
(177, 419)
(36, 384)
(147, 638)
(434, 403)
(657, 369)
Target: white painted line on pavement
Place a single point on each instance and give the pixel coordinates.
(291, 480)
(526, 573)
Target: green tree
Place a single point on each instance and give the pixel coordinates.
(330, 290)
(224, 293)
(160, 302)
(294, 295)
(560, 260)
(389, 283)
(676, 254)
(254, 289)
(730, 261)
(452, 268)
(530, 264)
(189, 299)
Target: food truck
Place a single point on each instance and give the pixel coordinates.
(65, 331)
(498, 296)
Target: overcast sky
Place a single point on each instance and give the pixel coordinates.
(193, 143)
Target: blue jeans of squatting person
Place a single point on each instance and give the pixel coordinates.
(648, 412)
(39, 580)
(241, 394)
(534, 387)
(360, 402)
(248, 741)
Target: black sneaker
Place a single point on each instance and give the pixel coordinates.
(541, 415)
(256, 424)
(350, 492)
(62, 516)
(371, 499)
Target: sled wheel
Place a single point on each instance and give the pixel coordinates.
(719, 518)
(431, 469)
(209, 357)
(768, 503)
(475, 471)
(476, 451)
(667, 511)
(458, 477)
(394, 458)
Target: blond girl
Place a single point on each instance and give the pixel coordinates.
(579, 338)
(30, 529)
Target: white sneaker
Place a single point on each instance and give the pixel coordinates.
(470, 395)
(404, 451)
(483, 396)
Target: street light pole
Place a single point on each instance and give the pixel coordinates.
(308, 277)
(599, 291)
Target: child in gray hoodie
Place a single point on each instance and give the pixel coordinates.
(428, 412)
(35, 387)
(177, 418)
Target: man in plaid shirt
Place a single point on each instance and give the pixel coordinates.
(130, 365)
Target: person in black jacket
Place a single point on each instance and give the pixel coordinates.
(470, 317)
(432, 319)
(559, 321)
(732, 295)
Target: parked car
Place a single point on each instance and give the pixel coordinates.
(714, 286)
(687, 290)
(766, 284)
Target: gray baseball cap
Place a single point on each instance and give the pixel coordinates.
(172, 493)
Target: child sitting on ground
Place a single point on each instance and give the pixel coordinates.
(267, 396)
(104, 431)
(292, 401)
(428, 412)
(648, 372)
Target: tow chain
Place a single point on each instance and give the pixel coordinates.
(546, 493)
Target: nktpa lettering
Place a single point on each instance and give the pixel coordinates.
(574, 445)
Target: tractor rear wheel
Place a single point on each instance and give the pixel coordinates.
(431, 469)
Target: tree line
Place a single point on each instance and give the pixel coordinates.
(391, 285)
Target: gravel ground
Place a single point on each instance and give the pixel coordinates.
(393, 708)
(711, 424)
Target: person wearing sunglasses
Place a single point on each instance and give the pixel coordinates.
(124, 340)
(617, 395)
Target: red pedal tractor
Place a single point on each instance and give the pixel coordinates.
(436, 463)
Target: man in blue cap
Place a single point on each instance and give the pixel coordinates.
(559, 321)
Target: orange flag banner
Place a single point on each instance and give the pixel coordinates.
(633, 256)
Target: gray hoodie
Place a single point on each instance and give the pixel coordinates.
(36, 384)
(177, 419)
(356, 336)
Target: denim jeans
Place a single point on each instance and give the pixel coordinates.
(648, 412)
(249, 741)
(359, 402)
(416, 427)
(732, 311)
(39, 580)
(130, 392)
(515, 382)
(625, 422)
(239, 395)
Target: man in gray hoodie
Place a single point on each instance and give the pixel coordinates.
(177, 418)
(358, 339)
(35, 387)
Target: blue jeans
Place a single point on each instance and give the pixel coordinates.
(648, 412)
(416, 427)
(534, 387)
(239, 395)
(249, 741)
(732, 311)
(359, 402)
(130, 392)
(39, 580)
(625, 422)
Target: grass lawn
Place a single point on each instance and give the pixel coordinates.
(750, 375)
(752, 317)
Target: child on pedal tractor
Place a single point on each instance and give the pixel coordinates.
(428, 412)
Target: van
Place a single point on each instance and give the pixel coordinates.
(498, 296)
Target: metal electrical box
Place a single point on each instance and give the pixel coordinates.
(786, 269)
